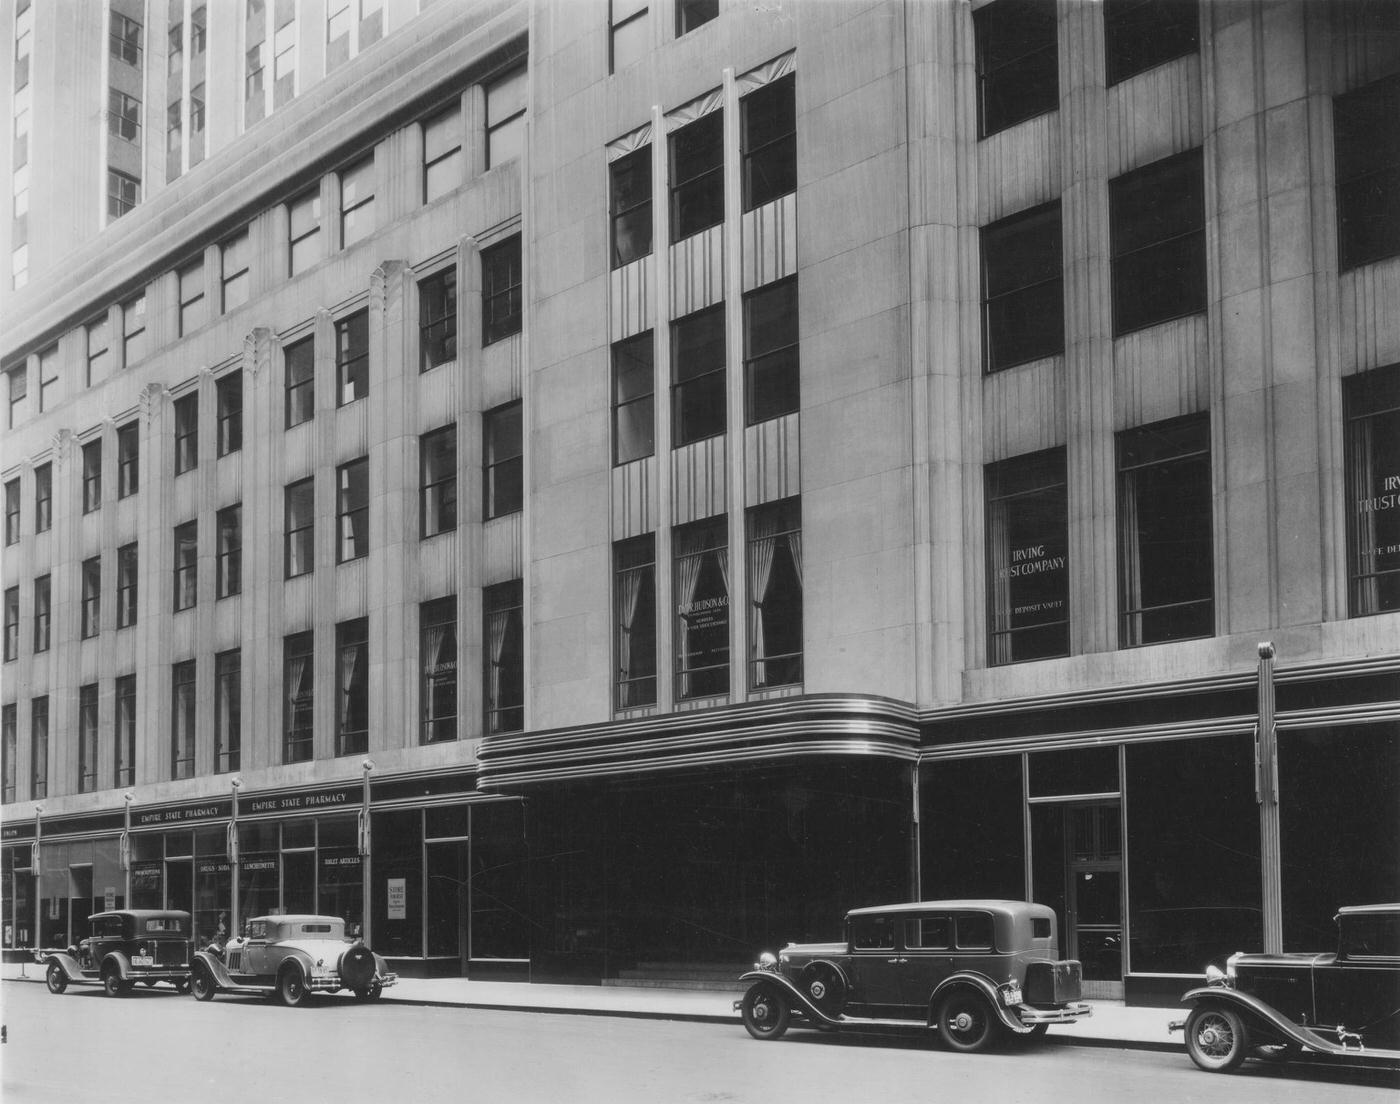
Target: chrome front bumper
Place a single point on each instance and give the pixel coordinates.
(1068, 1013)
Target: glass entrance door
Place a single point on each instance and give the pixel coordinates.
(1094, 887)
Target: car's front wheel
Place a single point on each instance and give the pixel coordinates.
(1216, 1038)
(765, 1012)
(55, 978)
(291, 987)
(965, 1021)
(201, 983)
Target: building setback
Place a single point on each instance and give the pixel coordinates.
(589, 489)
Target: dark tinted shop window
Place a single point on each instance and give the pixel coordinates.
(1027, 558)
(1076, 772)
(1373, 490)
(769, 136)
(973, 809)
(396, 902)
(772, 372)
(697, 366)
(631, 206)
(1193, 853)
(1023, 311)
(1166, 573)
(1141, 34)
(1368, 173)
(1339, 803)
(1018, 65)
(702, 608)
(1157, 226)
(697, 176)
(634, 596)
(499, 869)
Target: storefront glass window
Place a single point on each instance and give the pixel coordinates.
(702, 609)
(340, 874)
(970, 813)
(498, 888)
(1027, 558)
(213, 885)
(1373, 490)
(397, 890)
(1079, 771)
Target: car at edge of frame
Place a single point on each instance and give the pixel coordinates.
(125, 946)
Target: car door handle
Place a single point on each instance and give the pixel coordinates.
(895, 961)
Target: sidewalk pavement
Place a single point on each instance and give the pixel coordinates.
(1111, 1025)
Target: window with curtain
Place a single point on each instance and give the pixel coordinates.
(11, 623)
(504, 637)
(43, 594)
(9, 752)
(352, 510)
(99, 359)
(128, 460)
(630, 197)
(87, 738)
(297, 685)
(92, 476)
(192, 308)
(229, 561)
(234, 256)
(228, 711)
(186, 433)
(634, 620)
(300, 363)
(437, 657)
(775, 594)
(124, 753)
(92, 597)
(352, 687)
(135, 341)
(437, 458)
(1166, 574)
(182, 719)
(229, 410)
(1027, 558)
(186, 565)
(127, 566)
(39, 748)
(1373, 490)
(701, 593)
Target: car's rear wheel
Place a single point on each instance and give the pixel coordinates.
(765, 1012)
(965, 1021)
(1216, 1038)
(825, 985)
(112, 983)
(55, 978)
(291, 987)
(202, 983)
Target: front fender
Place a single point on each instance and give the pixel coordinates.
(216, 967)
(989, 990)
(65, 962)
(1258, 1011)
(796, 996)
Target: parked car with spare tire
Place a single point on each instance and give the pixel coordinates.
(125, 947)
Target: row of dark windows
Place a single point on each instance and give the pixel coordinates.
(768, 149)
(629, 31)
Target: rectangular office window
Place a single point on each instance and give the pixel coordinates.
(304, 230)
(99, 361)
(437, 651)
(43, 497)
(128, 565)
(284, 59)
(775, 594)
(39, 748)
(697, 176)
(701, 587)
(352, 357)
(43, 609)
(124, 39)
(128, 459)
(192, 309)
(134, 343)
(228, 711)
(91, 609)
(186, 433)
(630, 196)
(503, 462)
(693, 13)
(50, 389)
(437, 452)
(123, 115)
(352, 510)
(12, 512)
(437, 319)
(697, 376)
(505, 117)
(186, 565)
(9, 752)
(234, 257)
(254, 79)
(11, 623)
(1166, 573)
(1367, 147)
(182, 718)
(338, 19)
(1142, 34)
(442, 153)
(500, 290)
(229, 560)
(1018, 65)
(1027, 558)
(768, 133)
(300, 361)
(1023, 310)
(297, 684)
(124, 753)
(87, 738)
(299, 517)
(1157, 225)
(628, 33)
(772, 368)
(633, 378)
(18, 381)
(228, 401)
(357, 202)
(352, 687)
(634, 619)
(92, 476)
(503, 635)
(1372, 403)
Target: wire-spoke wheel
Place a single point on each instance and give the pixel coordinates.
(55, 978)
(202, 983)
(1216, 1038)
(765, 1012)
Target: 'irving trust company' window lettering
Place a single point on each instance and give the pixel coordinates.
(1027, 550)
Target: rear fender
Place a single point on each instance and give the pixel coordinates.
(989, 991)
(116, 960)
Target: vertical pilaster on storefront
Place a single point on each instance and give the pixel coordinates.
(739, 673)
(1266, 793)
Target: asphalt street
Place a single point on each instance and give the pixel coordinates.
(156, 1046)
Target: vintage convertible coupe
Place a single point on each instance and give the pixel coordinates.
(975, 971)
(289, 957)
(1274, 1006)
(126, 946)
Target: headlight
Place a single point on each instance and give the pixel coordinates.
(766, 961)
(1216, 976)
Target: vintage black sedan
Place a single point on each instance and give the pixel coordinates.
(975, 971)
(289, 957)
(125, 946)
(1274, 1006)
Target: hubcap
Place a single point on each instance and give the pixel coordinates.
(760, 1011)
(962, 1022)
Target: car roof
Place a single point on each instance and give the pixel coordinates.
(1361, 910)
(297, 918)
(142, 914)
(983, 904)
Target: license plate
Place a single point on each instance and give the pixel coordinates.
(142, 960)
(1011, 996)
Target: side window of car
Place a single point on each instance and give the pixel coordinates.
(872, 933)
(1371, 937)
(928, 933)
(257, 929)
(975, 932)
